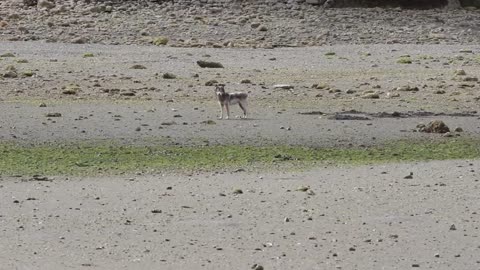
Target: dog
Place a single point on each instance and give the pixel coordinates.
(226, 99)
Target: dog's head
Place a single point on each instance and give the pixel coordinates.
(220, 89)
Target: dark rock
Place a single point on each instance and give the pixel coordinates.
(435, 126)
(208, 64)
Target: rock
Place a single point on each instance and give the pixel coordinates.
(137, 66)
(45, 4)
(458, 129)
(28, 73)
(255, 25)
(10, 74)
(211, 83)
(404, 60)
(42, 105)
(158, 41)
(30, 3)
(303, 188)
(407, 88)
(320, 86)
(128, 94)
(55, 114)
(7, 55)
(471, 79)
(246, 81)
(371, 96)
(257, 267)
(435, 126)
(209, 64)
(263, 28)
(410, 176)
(237, 191)
(71, 89)
(283, 86)
(460, 72)
(169, 76)
(79, 40)
(453, 228)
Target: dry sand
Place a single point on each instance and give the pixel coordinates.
(367, 217)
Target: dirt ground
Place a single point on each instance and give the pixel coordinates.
(111, 100)
(367, 217)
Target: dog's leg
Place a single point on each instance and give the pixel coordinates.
(228, 110)
(243, 106)
(221, 110)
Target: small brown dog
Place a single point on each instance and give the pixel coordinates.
(226, 99)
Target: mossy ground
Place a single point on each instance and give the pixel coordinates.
(112, 158)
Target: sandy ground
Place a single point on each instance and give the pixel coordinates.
(367, 217)
(175, 110)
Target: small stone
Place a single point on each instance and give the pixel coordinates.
(55, 114)
(254, 25)
(137, 66)
(7, 55)
(211, 83)
(458, 129)
(303, 188)
(415, 265)
(257, 267)
(263, 28)
(453, 228)
(407, 88)
(245, 81)
(79, 40)
(283, 86)
(237, 191)
(460, 72)
(209, 64)
(470, 79)
(169, 76)
(158, 41)
(45, 4)
(371, 96)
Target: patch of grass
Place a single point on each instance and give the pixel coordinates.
(87, 55)
(110, 158)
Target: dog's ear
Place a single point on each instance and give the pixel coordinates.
(220, 88)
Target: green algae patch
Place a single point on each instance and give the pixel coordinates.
(112, 159)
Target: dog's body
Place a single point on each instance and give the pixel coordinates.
(226, 99)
